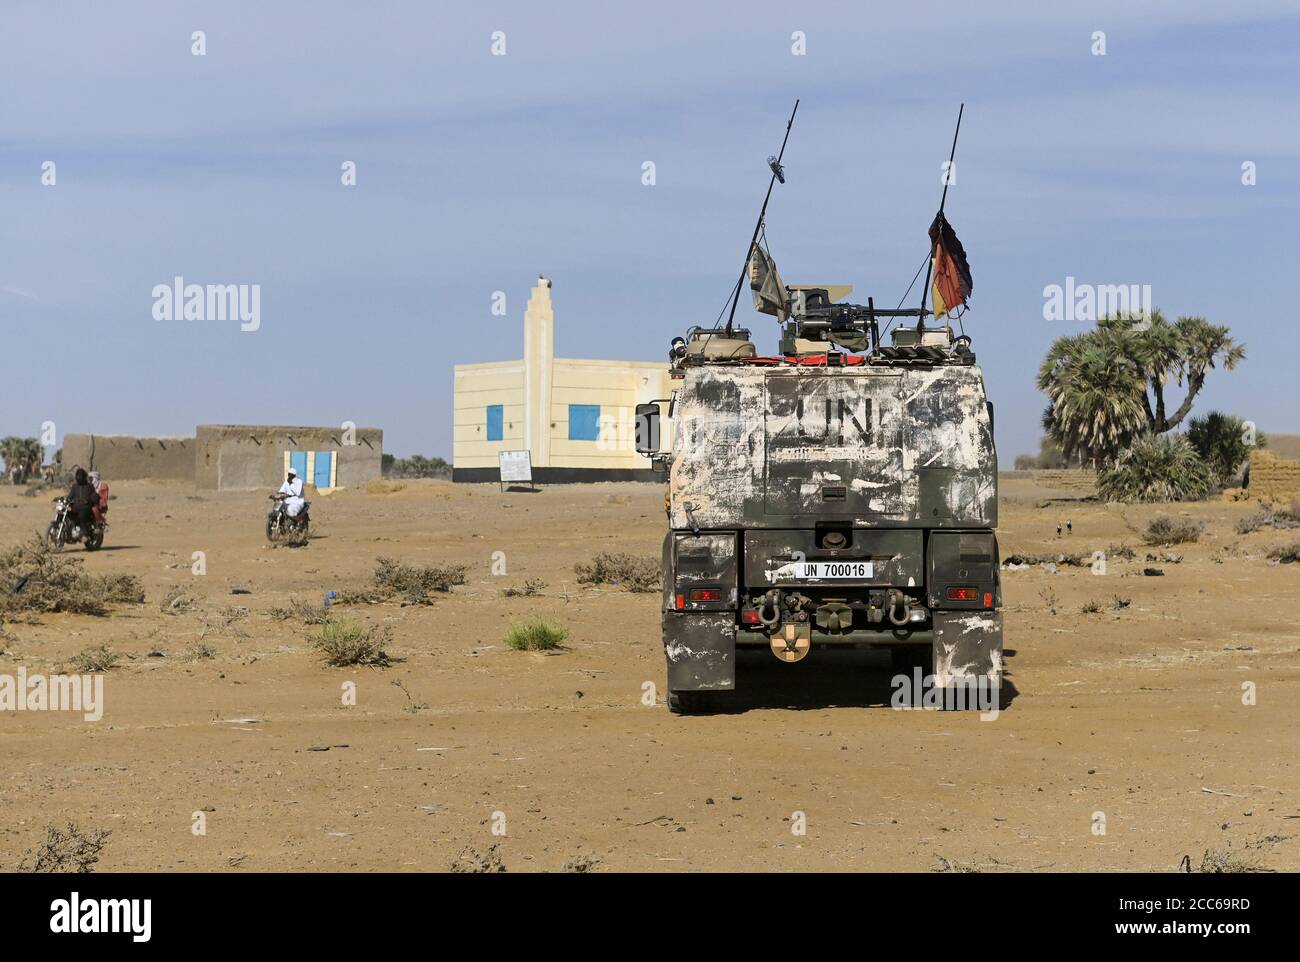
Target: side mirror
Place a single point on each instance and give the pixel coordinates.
(647, 429)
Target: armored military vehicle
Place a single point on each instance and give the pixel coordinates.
(840, 492)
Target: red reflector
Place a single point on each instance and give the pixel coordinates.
(988, 599)
(750, 617)
(706, 594)
(962, 594)
(681, 602)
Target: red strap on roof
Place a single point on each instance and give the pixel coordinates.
(807, 360)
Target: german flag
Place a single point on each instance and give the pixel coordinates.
(952, 284)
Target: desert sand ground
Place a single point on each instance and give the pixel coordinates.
(1134, 712)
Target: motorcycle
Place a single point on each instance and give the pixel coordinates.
(279, 525)
(64, 529)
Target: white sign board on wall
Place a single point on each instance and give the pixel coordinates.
(516, 467)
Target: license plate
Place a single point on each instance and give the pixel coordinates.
(834, 570)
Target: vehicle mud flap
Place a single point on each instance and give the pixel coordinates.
(700, 649)
(967, 646)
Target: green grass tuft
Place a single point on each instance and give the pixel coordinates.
(348, 643)
(536, 634)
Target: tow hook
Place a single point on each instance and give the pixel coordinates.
(898, 602)
(771, 602)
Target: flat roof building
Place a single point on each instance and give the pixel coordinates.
(576, 418)
(223, 457)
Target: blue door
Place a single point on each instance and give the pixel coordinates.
(298, 461)
(324, 461)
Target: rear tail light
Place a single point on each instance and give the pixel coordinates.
(750, 616)
(988, 599)
(705, 594)
(963, 594)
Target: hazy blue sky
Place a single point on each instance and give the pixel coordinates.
(477, 172)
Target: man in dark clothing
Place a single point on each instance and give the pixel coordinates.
(82, 500)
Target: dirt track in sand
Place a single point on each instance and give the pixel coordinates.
(1134, 712)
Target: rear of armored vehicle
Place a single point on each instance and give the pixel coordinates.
(813, 506)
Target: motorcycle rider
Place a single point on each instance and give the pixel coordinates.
(101, 489)
(82, 499)
(291, 494)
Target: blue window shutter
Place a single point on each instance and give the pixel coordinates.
(298, 461)
(494, 419)
(584, 422)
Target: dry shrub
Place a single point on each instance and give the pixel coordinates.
(532, 586)
(635, 573)
(226, 622)
(66, 850)
(953, 866)
(1050, 599)
(1267, 516)
(88, 660)
(1287, 516)
(117, 589)
(413, 583)
(1285, 553)
(177, 601)
(1165, 530)
(470, 862)
(1253, 522)
(1217, 862)
(33, 577)
(308, 614)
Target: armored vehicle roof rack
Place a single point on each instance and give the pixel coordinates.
(712, 346)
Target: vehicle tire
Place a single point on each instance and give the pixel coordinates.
(54, 536)
(271, 532)
(94, 540)
(692, 702)
(296, 532)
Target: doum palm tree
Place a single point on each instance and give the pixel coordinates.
(1107, 387)
(21, 456)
